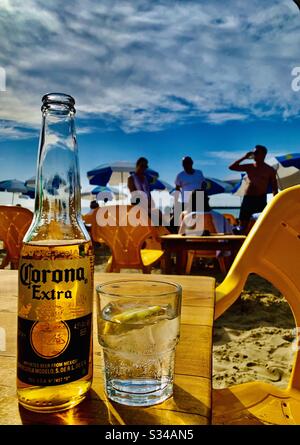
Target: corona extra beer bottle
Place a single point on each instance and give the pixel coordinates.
(54, 365)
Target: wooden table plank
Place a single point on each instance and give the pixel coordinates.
(191, 402)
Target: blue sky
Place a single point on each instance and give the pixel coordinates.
(161, 79)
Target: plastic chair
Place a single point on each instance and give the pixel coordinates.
(271, 250)
(88, 217)
(231, 218)
(14, 223)
(154, 242)
(192, 254)
(125, 240)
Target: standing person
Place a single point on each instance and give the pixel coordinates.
(259, 177)
(138, 182)
(189, 179)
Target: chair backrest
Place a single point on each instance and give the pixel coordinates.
(271, 250)
(230, 218)
(154, 242)
(124, 239)
(202, 220)
(14, 223)
(88, 217)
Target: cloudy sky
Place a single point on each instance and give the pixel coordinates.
(156, 78)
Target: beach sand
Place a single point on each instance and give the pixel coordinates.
(254, 339)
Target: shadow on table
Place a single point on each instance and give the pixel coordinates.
(94, 411)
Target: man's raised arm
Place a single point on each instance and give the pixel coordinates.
(236, 166)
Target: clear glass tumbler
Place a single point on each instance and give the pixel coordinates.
(138, 329)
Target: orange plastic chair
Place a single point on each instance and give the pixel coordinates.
(154, 242)
(88, 217)
(125, 240)
(14, 223)
(208, 224)
(271, 250)
(230, 218)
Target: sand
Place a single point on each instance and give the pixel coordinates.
(255, 338)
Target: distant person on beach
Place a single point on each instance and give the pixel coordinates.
(259, 177)
(193, 217)
(189, 179)
(138, 182)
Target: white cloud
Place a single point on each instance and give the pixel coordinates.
(219, 118)
(146, 65)
(12, 132)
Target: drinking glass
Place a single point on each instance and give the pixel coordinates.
(138, 329)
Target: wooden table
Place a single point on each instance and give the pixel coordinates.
(191, 403)
(180, 244)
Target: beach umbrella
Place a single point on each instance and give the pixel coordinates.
(52, 185)
(13, 186)
(215, 186)
(30, 183)
(239, 185)
(158, 184)
(115, 173)
(289, 160)
(103, 193)
(288, 170)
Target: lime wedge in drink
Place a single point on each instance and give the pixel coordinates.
(136, 315)
(122, 322)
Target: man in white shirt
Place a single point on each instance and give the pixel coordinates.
(189, 179)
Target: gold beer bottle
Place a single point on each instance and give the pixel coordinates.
(54, 365)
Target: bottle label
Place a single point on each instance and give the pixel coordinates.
(55, 320)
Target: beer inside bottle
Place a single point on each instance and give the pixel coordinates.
(54, 365)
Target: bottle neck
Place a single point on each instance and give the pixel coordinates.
(57, 201)
(58, 183)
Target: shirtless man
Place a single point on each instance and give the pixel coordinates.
(260, 176)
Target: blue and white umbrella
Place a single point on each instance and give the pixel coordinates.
(115, 173)
(158, 184)
(215, 186)
(290, 160)
(13, 186)
(103, 193)
(288, 170)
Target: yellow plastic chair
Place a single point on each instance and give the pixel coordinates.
(125, 240)
(271, 250)
(14, 223)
